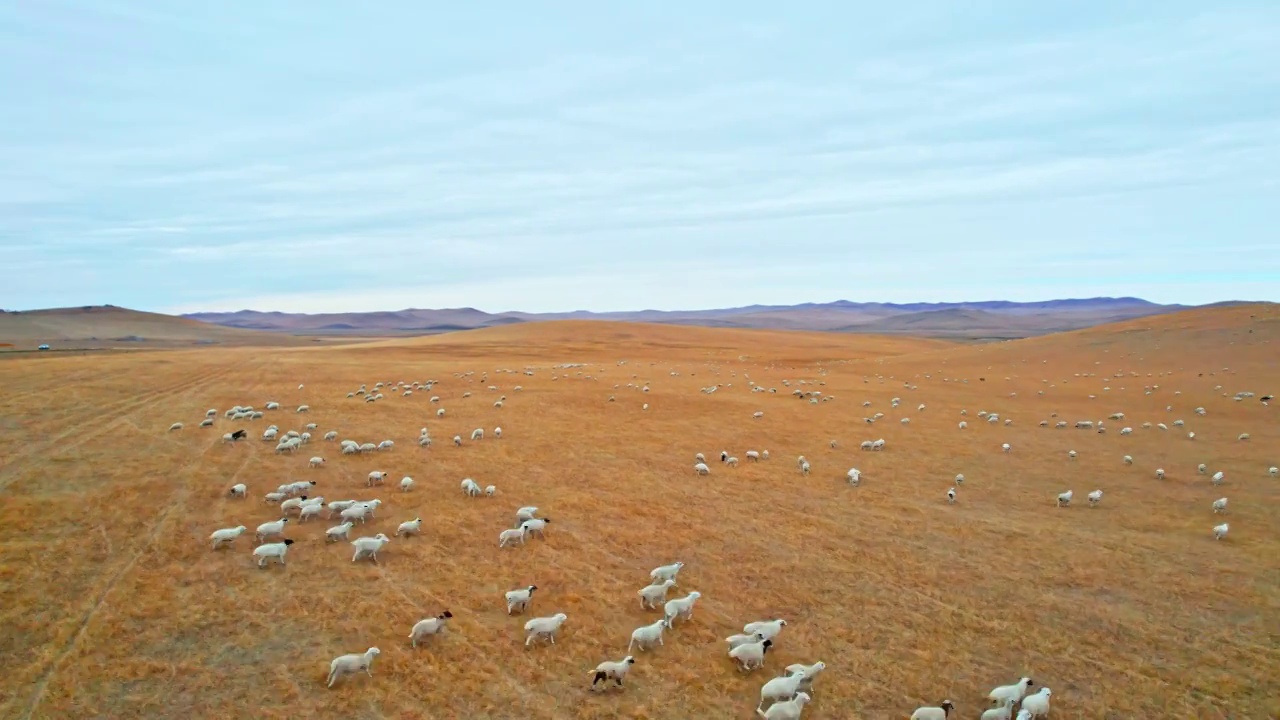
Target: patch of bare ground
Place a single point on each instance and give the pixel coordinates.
(114, 606)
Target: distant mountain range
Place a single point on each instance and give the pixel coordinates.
(993, 319)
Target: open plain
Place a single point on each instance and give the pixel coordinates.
(114, 606)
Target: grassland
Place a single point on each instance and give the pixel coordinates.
(114, 607)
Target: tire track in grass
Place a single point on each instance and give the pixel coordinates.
(179, 500)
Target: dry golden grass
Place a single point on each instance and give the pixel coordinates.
(115, 607)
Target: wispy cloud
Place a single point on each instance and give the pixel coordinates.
(290, 158)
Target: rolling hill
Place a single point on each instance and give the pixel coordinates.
(996, 319)
(106, 326)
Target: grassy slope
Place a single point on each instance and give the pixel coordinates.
(114, 606)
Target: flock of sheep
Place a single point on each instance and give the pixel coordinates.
(786, 694)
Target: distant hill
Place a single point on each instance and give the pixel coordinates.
(991, 319)
(107, 326)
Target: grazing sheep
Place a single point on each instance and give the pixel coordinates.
(544, 627)
(768, 628)
(225, 536)
(1005, 447)
(1218, 477)
(753, 456)
(731, 462)
(207, 422)
(612, 670)
(429, 626)
(1128, 459)
(1159, 473)
(1064, 499)
(681, 607)
(238, 490)
(331, 435)
(519, 600)
(788, 710)
(274, 527)
(1071, 454)
(511, 535)
(490, 490)
(1274, 471)
(526, 513)
(1220, 505)
(702, 469)
(1013, 692)
(406, 483)
(646, 635)
(271, 550)
(1095, 497)
(700, 458)
(316, 461)
(351, 664)
(337, 532)
(1038, 704)
(804, 468)
(936, 712)
(751, 655)
(1220, 531)
(376, 477)
(666, 572)
(175, 426)
(410, 527)
(651, 595)
(1004, 712)
(477, 434)
(304, 408)
(951, 496)
(369, 547)
(854, 475)
(781, 688)
(535, 525)
(744, 638)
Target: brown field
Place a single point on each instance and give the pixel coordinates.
(114, 606)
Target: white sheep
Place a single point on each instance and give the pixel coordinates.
(526, 513)
(351, 664)
(1004, 712)
(337, 532)
(681, 607)
(331, 435)
(376, 477)
(1159, 473)
(1013, 692)
(369, 547)
(1128, 459)
(804, 468)
(751, 655)
(1218, 477)
(316, 461)
(519, 600)
(1064, 499)
(781, 688)
(787, 710)
(544, 627)
(511, 535)
(1071, 454)
(646, 635)
(410, 527)
(702, 469)
(238, 490)
(271, 550)
(951, 496)
(1220, 505)
(292, 504)
(175, 426)
(810, 672)
(274, 527)
(744, 638)
(225, 536)
(429, 626)
(310, 510)
(963, 425)
(731, 462)
(1005, 447)
(535, 525)
(304, 408)
(406, 483)
(651, 595)
(666, 572)
(207, 422)
(1038, 704)
(477, 434)
(768, 628)
(1273, 471)
(1095, 497)
(854, 475)
(1220, 531)
(753, 456)
(934, 712)
(612, 670)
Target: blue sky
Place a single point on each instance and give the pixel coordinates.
(329, 156)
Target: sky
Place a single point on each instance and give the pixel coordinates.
(336, 156)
